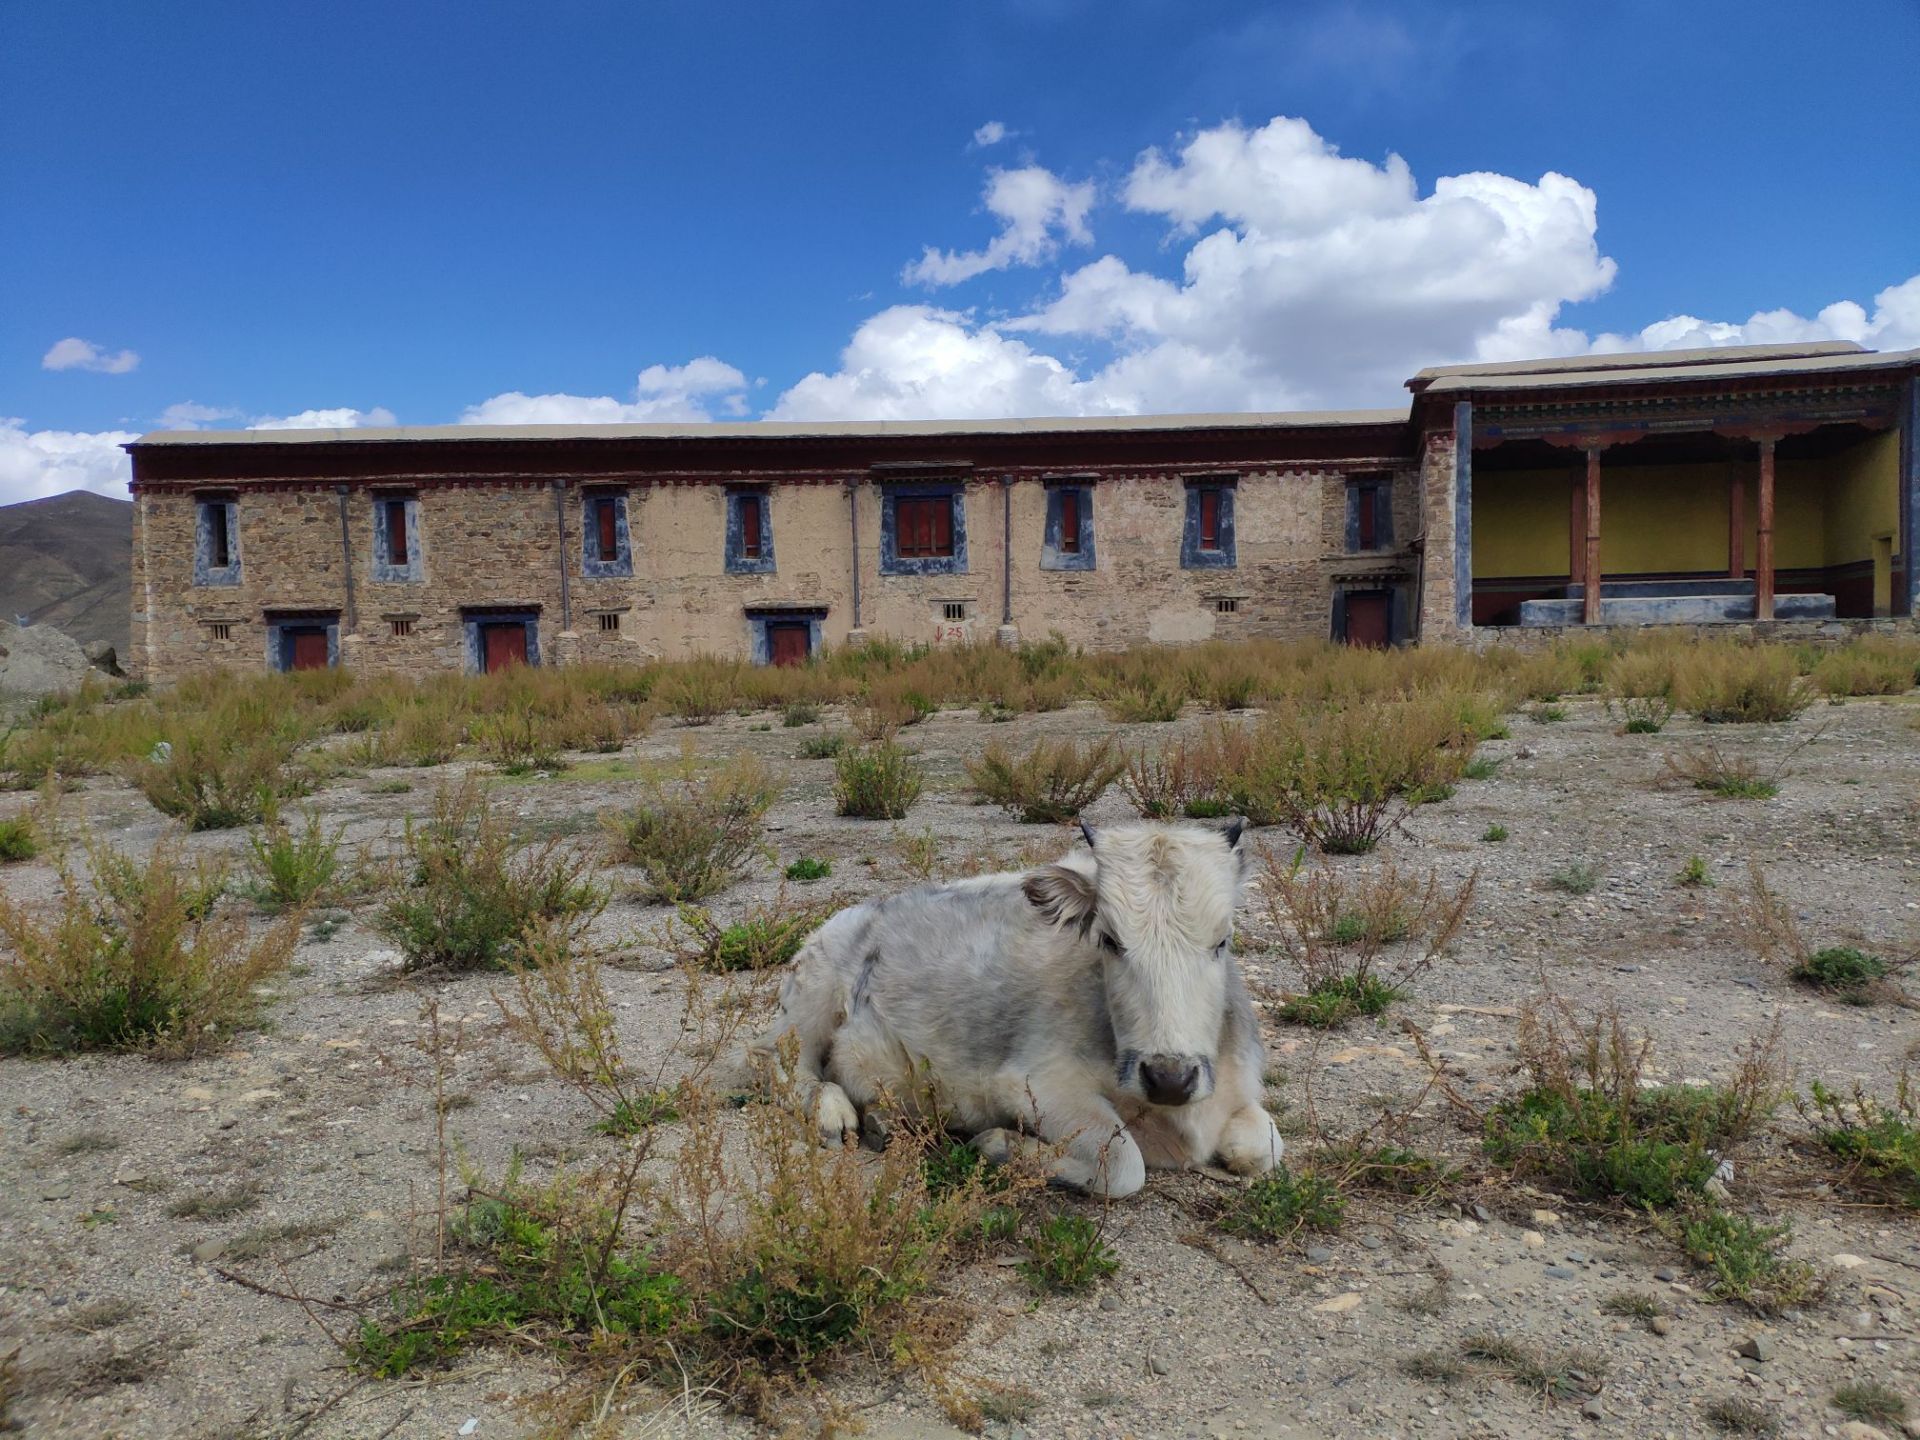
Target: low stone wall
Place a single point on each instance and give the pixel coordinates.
(1786, 632)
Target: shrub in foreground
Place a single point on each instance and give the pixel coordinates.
(1740, 685)
(1054, 781)
(291, 869)
(1280, 1204)
(18, 840)
(141, 958)
(1879, 1143)
(466, 892)
(1588, 1124)
(876, 782)
(693, 836)
(213, 779)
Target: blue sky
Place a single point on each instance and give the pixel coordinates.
(233, 213)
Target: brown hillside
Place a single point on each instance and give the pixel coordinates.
(67, 561)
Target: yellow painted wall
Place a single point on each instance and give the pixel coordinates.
(1673, 518)
(1862, 498)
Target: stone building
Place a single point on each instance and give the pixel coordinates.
(1739, 484)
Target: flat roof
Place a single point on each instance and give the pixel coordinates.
(1733, 363)
(1645, 359)
(786, 429)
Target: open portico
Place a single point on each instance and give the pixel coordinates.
(1689, 490)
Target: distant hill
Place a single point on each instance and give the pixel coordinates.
(67, 560)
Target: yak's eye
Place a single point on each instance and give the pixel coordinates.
(1109, 944)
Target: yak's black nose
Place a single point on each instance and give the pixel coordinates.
(1170, 1079)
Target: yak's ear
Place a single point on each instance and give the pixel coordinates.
(1233, 830)
(1063, 895)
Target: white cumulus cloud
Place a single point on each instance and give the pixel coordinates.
(37, 463)
(191, 415)
(688, 393)
(1894, 324)
(914, 362)
(991, 133)
(1037, 210)
(344, 418)
(73, 353)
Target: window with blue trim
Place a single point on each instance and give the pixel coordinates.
(396, 540)
(1370, 513)
(606, 549)
(923, 529)
(749, 533)
(216, 541)
(1068, 541)
(1206, 540)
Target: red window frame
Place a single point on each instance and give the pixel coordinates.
(396, 532)
(1210, 519)
(1366, 497)
(1069, 522)
(750, 528)
(606, 520)
(923, 527)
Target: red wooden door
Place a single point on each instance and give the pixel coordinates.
(1368, 622)
(503, 645)
(787, 643)
(309, 649)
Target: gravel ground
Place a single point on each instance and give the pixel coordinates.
(319, 1134)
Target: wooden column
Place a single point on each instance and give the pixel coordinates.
(1763, 558)
(1737, 527)
(1590, 573)
(1576, 530)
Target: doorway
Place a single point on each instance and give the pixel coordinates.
(306, 646)
(503, 643)
(788, 641)
(1369, 619)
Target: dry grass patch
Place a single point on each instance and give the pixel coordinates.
(143, 955)
(1053, 782)
(692, 835)
(1359, 937)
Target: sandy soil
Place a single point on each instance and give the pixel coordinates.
(324, 1124)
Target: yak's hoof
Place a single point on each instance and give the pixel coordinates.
(875, 1131)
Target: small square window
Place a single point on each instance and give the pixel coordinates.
(220, 630)
(1227, 605)
(609, 622)
(401, 628)
(953, 610)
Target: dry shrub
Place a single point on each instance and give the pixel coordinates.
(764, 937)
(1161, 783)
(1341, 778)
(144, 957)
(1054, 781)
(1590, 1122)
(876, 782)
(464, 892)
(701, 690)
(892, 706)
(1640, 689)
(1360, 938)
(1144, 701)
(1871, 665)
(691, 834)
(1740, 684)
(1843, 971)
(230, 766)
(1732, 777)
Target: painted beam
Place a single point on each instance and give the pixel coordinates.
(1463, 514)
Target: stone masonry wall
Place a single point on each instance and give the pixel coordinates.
(499, 544)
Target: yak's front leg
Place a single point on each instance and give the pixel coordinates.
(1250, 1142)
(1084, 1137)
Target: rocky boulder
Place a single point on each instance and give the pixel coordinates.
(39, 660)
